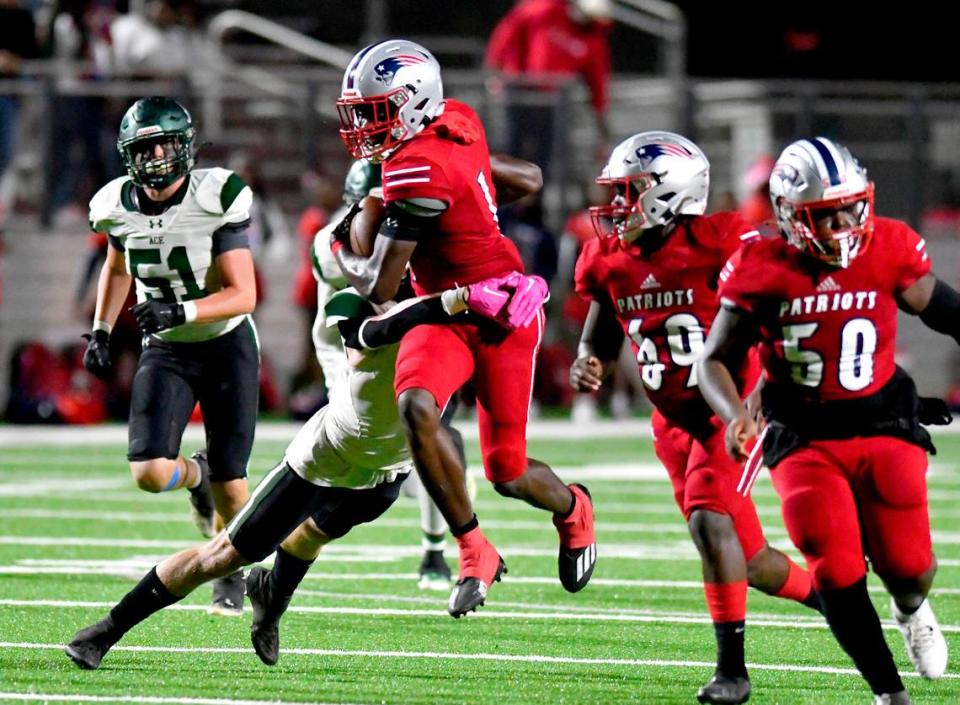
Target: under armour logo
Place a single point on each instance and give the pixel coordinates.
(158, 223)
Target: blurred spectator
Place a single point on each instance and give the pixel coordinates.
(324, 197)
(80, 39)
(17, 42)
(267, 222)
(161, 42)
(522, 222)
(756, 207)
(539, 45)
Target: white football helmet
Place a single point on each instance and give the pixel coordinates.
(658, 176)
(390, 91)
(819, 180)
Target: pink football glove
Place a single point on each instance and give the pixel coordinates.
(489, 297)
(530, 293)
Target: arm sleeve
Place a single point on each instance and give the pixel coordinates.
(116, 243)
(232, 236)
(389, 328)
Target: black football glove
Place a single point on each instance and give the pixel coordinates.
(153, 316)
(96, 358)
(341, 231)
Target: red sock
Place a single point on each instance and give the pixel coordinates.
(727, 602)
(797, 586)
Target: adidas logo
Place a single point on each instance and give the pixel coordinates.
(650, 282)
(828, 285)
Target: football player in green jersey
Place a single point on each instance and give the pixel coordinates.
(179, 234)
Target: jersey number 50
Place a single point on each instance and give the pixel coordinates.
(858, 343)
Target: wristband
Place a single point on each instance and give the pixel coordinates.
(189, 311)
(454, 300)
(102, 325)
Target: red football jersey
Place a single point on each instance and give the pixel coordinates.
(665, 302)
(829, 329)
(449, 161)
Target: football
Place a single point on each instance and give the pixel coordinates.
(363, 229)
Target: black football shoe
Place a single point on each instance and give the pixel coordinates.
(90, 645)
(267, 610)
(578, 546)
(201, 498)
(434, 572)
(725, 691)
(480, 567)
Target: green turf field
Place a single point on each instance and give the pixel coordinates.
(75, 533)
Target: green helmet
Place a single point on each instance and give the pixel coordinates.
(362, 178)
(153, 122)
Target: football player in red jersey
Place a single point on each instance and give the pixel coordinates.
(652, 275)
(843, 437)
(442, 218)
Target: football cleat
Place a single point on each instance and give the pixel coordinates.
(434, 572)
(227, 596)
(265, 628)
(480, 567)
(578, 547)
(900, 698)
(91, 644)
(926, 646)
(721, 689)
(201, 498)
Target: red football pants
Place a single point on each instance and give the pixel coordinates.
(844, 499)
(442, 358)
(705, 477)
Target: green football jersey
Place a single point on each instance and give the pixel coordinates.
(170, 255)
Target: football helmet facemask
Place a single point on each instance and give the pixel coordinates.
(390, 91)
(657, 176)
(156, 142)
(823, 200)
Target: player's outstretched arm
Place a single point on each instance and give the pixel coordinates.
(514, 178)
(731, 335)
(937, 304)
(598, 349)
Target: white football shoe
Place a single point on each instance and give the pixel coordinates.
(926, 646)
(901, 698)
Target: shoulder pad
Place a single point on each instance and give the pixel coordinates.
(105, 205)
(220, 191)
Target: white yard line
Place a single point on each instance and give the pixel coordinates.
(76, 698)
(654, 617)
(522, 658)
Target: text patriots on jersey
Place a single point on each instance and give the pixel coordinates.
(823, 303)
(659, 299)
